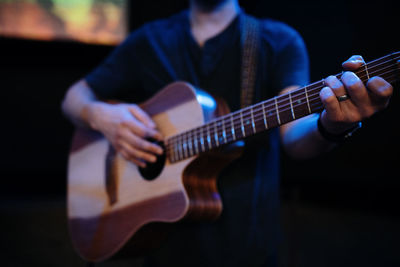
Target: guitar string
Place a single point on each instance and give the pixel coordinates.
(317, 105)
(287, 107)
(361, 70)
(297, 93)
(294, 94)
(182, 154)
(210, 145)
(217, 127)
(256, 108)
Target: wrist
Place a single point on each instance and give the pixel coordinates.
(337, 137)
(90, 113)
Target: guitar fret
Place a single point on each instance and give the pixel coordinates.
(300, 108)
(223, 131)
(184, 146)
(277, 111)
(242, 126)
(252, 121)
(202, 142)
(187, 146)
(233, 129)
(172, 150)
(190, 146)
(291, 106)
(179, 149)
(366, 71)
(208, 137)
(196, 146)
(216, 133)
(308, 102)
(176, 148)
(264, 115)
(168, 151)
(176, 153)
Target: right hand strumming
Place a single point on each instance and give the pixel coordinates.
(126, 126)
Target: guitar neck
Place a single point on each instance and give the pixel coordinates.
(269, 113)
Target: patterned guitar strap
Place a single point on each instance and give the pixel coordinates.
(250, 42)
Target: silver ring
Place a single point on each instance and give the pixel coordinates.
(342, 97)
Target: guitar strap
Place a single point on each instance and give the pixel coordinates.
(250, 42)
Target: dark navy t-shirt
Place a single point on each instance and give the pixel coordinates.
(160, 52)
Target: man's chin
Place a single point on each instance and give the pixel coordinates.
(209, 4)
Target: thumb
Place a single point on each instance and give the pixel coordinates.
(353, 63)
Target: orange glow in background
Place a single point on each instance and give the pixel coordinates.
(88, 21)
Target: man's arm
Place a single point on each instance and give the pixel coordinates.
(126, 126)
(76, 102)
(302, 138)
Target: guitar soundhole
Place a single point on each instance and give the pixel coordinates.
(153, 170)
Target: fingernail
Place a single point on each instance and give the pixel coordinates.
(355, 61)
(152, 124)
(352, 78)
(325, 92)
(142, 165)
(158, 136)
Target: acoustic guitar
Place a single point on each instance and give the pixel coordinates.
(111, 200)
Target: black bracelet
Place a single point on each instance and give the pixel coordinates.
(336, 138)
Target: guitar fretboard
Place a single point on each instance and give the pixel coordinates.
(269, 113)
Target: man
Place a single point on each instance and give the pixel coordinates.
(202, 46)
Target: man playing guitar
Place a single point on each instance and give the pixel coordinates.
(202, 46)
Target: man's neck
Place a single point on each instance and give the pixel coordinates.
(206, 24)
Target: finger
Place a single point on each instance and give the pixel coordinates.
(336, 85)
(356, 89)
(331, 103)
(146, 120)
(380, 88)
(134, 153)
(139, 129)
(138, 162)
(353, 63)
(142, 116)
(141, 143)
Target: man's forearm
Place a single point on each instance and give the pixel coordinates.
(76, 102)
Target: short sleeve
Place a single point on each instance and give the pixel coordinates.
(120, 71)
(292, 63)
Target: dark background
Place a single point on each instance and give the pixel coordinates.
(340, 209)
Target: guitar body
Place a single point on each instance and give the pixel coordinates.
(109, 199)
